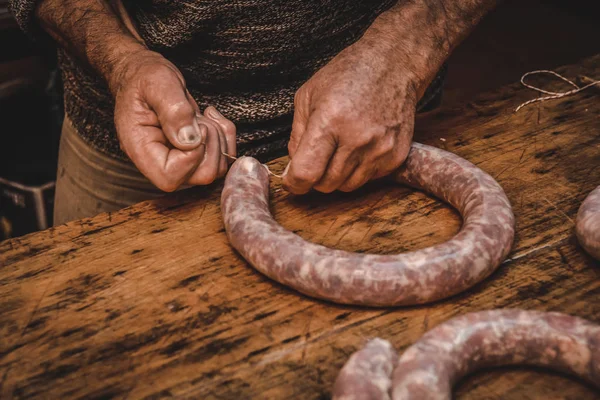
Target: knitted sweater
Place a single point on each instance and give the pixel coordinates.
(245, 57)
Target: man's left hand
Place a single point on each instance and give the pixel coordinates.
(353, 121)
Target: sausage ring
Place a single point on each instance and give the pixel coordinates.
(415, 277)
(429, 368)
(587, 225)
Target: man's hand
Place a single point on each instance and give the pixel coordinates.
(158, 123)
(353, 120)
(161, 128)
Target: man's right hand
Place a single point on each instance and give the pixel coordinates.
(158, 123)
(161, 128)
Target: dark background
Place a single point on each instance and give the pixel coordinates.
(519, 36)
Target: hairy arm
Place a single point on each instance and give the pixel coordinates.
(354, 119)
(427, 31)
(92, 30)
(159, 124)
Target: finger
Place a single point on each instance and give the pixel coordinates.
(223, 161)
(340, 168)
(228, 128)
(387, 166)
(310, 159)
(361, 175)
(397, 158)
(207, 171)
(384, 158)
(192, 102)
(176, 111)
(166, 168)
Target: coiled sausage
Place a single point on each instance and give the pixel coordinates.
(587, 225)
(429, 368)
(414, 277)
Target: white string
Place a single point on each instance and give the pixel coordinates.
(264, 165)
(552, 95)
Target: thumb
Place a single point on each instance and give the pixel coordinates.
(176, 112)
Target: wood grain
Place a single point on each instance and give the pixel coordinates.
(151, 302)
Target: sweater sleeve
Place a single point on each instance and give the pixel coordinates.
(24, 13)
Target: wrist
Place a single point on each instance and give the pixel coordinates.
(420, 35)
(408, 42)
(91, 31)
(122, 62)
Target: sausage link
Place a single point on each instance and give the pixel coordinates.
(587, 225)
(429, 368)
(368, 373)
(415, 277)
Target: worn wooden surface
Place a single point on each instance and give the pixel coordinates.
(151, 302)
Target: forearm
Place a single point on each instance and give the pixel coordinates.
(423, 33)
(92, 31)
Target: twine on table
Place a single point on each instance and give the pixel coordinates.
(264, 165)
(553, 95)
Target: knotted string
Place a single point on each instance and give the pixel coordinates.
(264, 165)
(552, 95)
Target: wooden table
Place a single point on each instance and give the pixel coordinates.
(151, 302)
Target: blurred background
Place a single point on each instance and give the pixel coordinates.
(519, 36)
(30, 117)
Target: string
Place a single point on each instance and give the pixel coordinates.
(264, 165)
(552, 95)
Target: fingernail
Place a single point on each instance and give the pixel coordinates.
(189, 134)
(214, 113)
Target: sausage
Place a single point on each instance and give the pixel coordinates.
(429, 368)
(587, 225)
(415, 277)
(368, 372)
